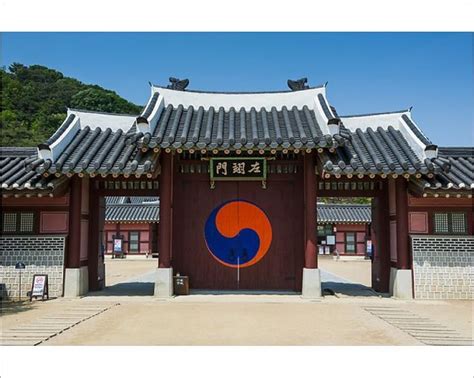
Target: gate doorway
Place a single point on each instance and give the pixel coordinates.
(123, 246)
(353, 221)
(345, 245)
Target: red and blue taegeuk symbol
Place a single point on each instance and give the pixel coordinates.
(238, 233)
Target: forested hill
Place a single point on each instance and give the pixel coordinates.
(34, 101)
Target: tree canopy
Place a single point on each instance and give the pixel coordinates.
(34, 101)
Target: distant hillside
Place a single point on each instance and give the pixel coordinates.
(34, 101)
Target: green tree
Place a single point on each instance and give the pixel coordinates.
(34, 101)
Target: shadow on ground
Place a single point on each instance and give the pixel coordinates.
(348, 289)
(242, 292)
(126, 289)
(15, 307)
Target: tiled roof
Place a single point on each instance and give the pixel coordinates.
(343, 213)
(133, 211)
(94, 143)
(178, 119)
(384, 143)
(134, 200)
(456, 180)
(287, 121)
(190, 128)
(16, 180)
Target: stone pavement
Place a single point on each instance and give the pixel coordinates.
(44, 328)
(354, 316)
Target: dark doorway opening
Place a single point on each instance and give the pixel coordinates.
(127, 248)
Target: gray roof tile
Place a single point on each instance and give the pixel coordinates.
(456, 172)
(17, 179)
(343, 213)
(132, 212)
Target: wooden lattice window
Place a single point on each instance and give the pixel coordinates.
(450, 223)
(350, 242)
(18, 222)
(133, 241)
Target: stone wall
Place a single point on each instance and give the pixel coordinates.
(40, 254)
(443, 266)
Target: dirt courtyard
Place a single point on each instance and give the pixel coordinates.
(237, 319)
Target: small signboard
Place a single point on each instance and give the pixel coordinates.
(238, 168)
(118, 248)
(118, 245)
(369, 247)
(39, 287)
(19, 265)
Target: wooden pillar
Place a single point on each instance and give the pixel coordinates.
(403, 252)
(166, 210)
(310, 199)
(381, 241)
(94, 246)
(74, 238)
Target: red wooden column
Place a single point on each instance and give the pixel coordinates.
(381, 239)
(96, 226)
(74, 243)
(166, 210)
(311, 256)
(403, 252)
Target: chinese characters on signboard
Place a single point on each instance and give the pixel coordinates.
(238, 169)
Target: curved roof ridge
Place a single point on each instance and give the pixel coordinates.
(456, 151)
(375, 114)
(239, 92)
(101, 113)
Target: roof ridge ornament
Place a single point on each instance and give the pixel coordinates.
(177, 84)
(298, 85)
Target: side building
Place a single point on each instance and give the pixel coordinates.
(134, 221)
(344, 229)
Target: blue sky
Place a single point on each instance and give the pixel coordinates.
(367, 72)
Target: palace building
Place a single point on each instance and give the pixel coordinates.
(134, 221)
(238, 176)
(344, 229)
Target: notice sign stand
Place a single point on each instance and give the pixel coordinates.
(39, 287)
(117, 247)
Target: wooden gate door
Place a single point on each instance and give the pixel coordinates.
(238, 235)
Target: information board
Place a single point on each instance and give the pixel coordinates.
(39, 286)
(118, 245)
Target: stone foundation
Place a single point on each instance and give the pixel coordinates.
(40, 254)
(311, 283)
(164, 283)
(443, 267)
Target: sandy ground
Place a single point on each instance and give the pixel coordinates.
(239, 319)
(358, 271)
(120, 270)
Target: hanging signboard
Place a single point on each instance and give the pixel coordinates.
(238, 168)
(39, 286)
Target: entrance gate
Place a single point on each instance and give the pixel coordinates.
(238, 235)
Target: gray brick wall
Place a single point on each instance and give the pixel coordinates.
(41, 254)
(443, 266)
